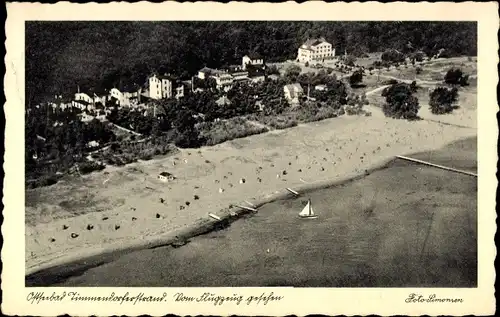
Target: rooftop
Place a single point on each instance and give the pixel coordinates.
(206, 70)
(164, 76)
(313, 42)
(295, 86)
(223, 101)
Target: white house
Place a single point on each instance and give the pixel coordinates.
(239, 74)
(99, 99)
(222, 101)
(117, 94)
(204, 73)
(84, 117)
(82, 105)
(166, 177)
(126, 95)
(273, 77)
(259, 104)
(83, 101)
(164, 86)
(293, 92)
(131, 95)
(321, 87)
(258, 79)
(315, 50)
(223, 80)
(179, 91)
(159, 87)
(81, 96)
(92, 144)
(252, 59)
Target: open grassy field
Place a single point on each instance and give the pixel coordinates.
(465, 115)
(282, 67)
(432, 71)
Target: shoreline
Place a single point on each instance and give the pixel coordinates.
(203, 225)
(198, 223)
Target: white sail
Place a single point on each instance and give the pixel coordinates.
(307, 211)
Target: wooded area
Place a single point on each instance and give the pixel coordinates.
(97, 55)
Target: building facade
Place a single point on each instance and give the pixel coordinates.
(239, 74)
(100, 99)
(117, 94)
(204, 73)
(83, 102)
(252, 59)
(315, 50)
(293, 92)
(163, 87)
(179, 91)
(83, 97)
(166, 177)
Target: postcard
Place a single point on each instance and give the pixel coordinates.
(250, 158)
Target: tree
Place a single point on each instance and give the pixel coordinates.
(187, 134)
(292, 72)
(400, 103)
(455, 76)
(272, 70)
(393, 56)
(356, 78)
(349, 60)
(184, 120)
(419, 56)
(211, 83)
(413, 86)
(442, 100)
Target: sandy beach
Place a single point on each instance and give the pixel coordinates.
(124, 205)
(405, 225)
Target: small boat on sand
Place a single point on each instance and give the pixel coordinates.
(307, 212)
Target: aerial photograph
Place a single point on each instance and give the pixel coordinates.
(251, 154)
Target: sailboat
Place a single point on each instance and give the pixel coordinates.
(308, 212)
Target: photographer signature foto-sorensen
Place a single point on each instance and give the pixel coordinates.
(417, 298)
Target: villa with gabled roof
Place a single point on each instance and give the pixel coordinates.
(315, 50)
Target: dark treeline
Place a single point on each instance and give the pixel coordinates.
(62, 55)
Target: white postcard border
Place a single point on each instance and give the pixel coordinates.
(298, 301)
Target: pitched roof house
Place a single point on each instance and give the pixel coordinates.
(164, 86)
(205, 72)
(165, 176)
(252, 59)
(315, 50)
(293, 92)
